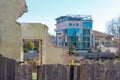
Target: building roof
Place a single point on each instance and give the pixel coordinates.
(99, 34)
(74, 17)
(79, 17)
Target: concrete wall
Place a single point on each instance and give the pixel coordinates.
(10, 31)
(50, 54)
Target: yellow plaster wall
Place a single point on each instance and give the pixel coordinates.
(54, 54)
(10, 31)
(50, 54)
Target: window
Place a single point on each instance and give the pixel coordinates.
(86, 31)
(59, 37)
(96, 38)
(108, 43)
(102, 42)
(108, 38)
(58, 33)
(73, 24)
(77, 24)
(87, 24)
(86, 45)
(70, 24)
(96, 43)
(86, 38)
(59, 43)
(74, 32)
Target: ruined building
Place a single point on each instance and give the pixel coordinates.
(10, 30)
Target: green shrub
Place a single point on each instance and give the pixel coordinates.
(90, 50)
(26, 50)
(30, 45)
(37, 49)
(117, 54)
(72, 50)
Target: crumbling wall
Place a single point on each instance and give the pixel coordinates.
(50, 53)
(10, 30)
(54, 54)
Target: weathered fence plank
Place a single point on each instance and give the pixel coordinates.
(68, 72)
(16, 70)
(10, 69)
(97, 72)
(39, 73)
(1, 67)
(110, 71)
(49, 72)
(62, 72)
(24, 72)
(117, 68)
(76, 73)
(83, 72)
(4, 69)
(89, 71)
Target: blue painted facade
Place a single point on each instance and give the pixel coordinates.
(77, 31)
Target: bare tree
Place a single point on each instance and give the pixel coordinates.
(113, 27)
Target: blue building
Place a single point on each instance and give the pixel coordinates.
(74, 29)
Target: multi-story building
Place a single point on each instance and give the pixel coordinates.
(74, 29)
(101, 38)
(53, 39)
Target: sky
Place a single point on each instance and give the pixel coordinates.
(45, 11)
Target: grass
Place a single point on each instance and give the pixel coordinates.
(34, 76)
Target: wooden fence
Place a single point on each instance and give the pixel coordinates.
(109, 71)
(13, 70)
(7, 69)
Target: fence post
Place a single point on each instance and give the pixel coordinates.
(10, 69)
(1, 67)
(89, 71)
(83, 72)
(4, 69)
(63, 72)
(16, 70)
(39, 72)
(76, 72)
(25, 72)
(49, 72)
(68, 71)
